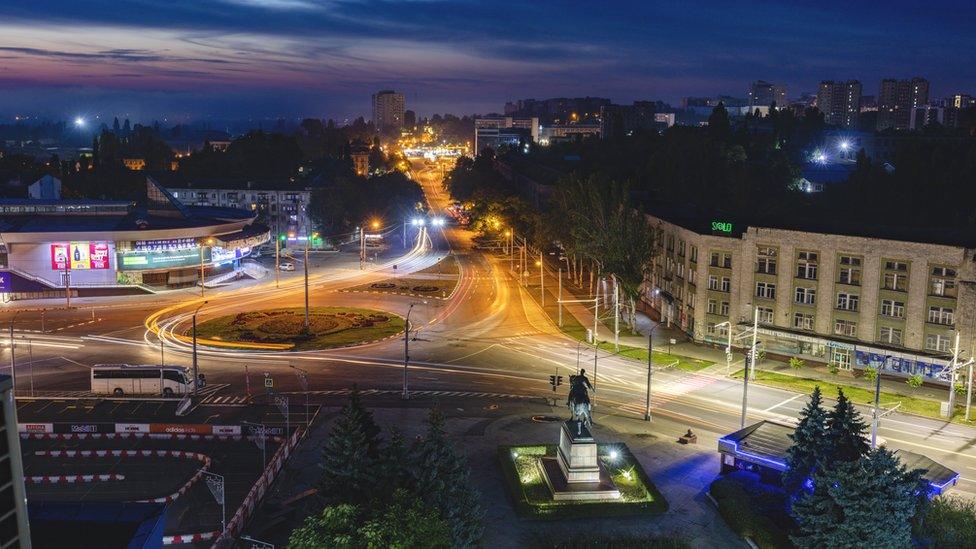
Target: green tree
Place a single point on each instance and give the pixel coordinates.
(337, 526)
(846, 430)
(868, 502)
(796, 363)
(809, 444)
(442, 481)
(348, 462)
(407, 523)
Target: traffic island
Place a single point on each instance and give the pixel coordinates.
(527, 470)
(434, 288)
(328, 327)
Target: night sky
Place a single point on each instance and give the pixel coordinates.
(242, 58)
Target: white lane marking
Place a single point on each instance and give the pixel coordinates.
(787, 401)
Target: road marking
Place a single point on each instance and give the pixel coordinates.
(787, 401)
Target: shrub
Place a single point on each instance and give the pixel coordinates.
(753, 509)
(950, 522)
(914, 381)
(870, 374)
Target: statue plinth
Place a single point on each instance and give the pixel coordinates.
(576, 472)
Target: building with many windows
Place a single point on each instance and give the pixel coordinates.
(388, 109)
(897, 99)
(840, 102)
(842, 297)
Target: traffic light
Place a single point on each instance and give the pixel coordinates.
(555, 381)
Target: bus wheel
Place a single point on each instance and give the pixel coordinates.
(167, 392)
(118, 392)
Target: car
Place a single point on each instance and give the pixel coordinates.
(286, 266)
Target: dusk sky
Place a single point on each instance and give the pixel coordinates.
(240, 58)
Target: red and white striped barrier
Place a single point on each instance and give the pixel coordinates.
(182, 454)
(189, 538)
(72, 479)
(153, 436)
(257, 491)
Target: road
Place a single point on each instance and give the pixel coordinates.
(490, 336)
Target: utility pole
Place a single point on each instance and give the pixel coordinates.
(616, 315)
(201, 270)
(13, 360)
(952, 377)
(67, 283)
(650, 369)
(196, 371)
(745, 374)
(277, 260)
(162, 353)
(406, 353)
(307, 325)
(542, 279)
(362, 248)
(969, 388)
(559, 295)
(876, 417)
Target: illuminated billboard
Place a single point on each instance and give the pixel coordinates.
(79, 256)
(142, 261)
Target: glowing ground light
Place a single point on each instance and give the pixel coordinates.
(614, 455)
(79, 121)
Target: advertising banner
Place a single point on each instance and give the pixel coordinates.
(181, 428)
(59, 256)
(166, 245)
(140, 261)
(4, 282)
(98, 255)
(227, 430)
(79, 256)
(90, 428)
(131, 427)
(35, 427)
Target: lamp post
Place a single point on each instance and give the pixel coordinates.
(277, 260)
(650, 370)
(406, 353)
(876, 417)
(13, 360)
(728, 346)
(745, 374)
(307, 324)
(210, 242)
(196, 371)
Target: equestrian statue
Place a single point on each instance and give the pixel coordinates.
(579, 400)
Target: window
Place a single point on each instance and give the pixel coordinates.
(766, 261)
(712, 282)
(670, 242)
(850, 270)
(766, 290)
(724, 310)
(895, 281)
(899, 266)
(890, 335)
(726, 284)
(805, 296)
(680, 270)
(716, 258)
(803, 321)
(692, 276)
(941, 315)
(847, 302)
(937, 342)
(943, 282)
(727, 261)
(765, 315)
(892, 308)
(806, 265)
(681, 248)
(693, 256)
(712, 305)
(845, 328)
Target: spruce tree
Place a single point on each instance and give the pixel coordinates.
(395, 467)
(868, 502)
(809, 444)
(370, 429)
(442, 482)
(348, 474)
(846, 432)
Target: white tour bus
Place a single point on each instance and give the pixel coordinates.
(125, 379)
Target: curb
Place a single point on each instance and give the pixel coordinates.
(423, 296)
(153, 436)
(72, 479)
(180, 539)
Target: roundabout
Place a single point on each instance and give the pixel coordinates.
(284, 329)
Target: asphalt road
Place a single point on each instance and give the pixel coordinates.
(488, 337)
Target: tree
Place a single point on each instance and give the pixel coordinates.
(335, 527)
(719, 126)
(846, 432)
(914, 381)
(868, 502)
(348, 472)
(809, 444)
(796, 363)
(407, 523)
(442, 482)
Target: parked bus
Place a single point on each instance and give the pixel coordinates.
(125, 379)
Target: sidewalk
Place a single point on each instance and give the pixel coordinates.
(583, 313)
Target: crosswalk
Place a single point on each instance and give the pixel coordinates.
(228, 400)
(380, 392)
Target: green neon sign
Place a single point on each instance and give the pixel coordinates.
(722, 227)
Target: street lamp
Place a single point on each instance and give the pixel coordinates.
(209, 242)
(307, 324)
(650, 370)
(406, 351)
(196, 374)
(876, 417)
(13, 360)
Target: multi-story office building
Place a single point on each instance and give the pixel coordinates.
(388, 109)
(897, 99)
(495, 131)
(840, 102)
(842, 299)
(281, 205)
(764, 94)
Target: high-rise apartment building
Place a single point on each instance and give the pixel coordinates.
(840, 102)
(388, 109)
(764, 94)
(897, 99)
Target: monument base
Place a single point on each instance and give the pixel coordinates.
(576, 474)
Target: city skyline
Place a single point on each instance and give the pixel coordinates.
(290, 58)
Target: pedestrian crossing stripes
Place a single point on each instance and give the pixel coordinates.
(467, 394)
(226, 400)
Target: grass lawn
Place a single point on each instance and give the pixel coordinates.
(573, 328)
(328, 326)
(409, 286)
(532, 498)
(920, 406)
(446, 266)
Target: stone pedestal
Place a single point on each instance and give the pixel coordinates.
(576, 472)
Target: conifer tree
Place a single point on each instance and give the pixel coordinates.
(809, 444)
(846, 433)
(348, 474)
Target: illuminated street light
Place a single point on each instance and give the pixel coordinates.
(437, 222)
(845, 145)
(418, 222)
(375, 225)
(79, 122)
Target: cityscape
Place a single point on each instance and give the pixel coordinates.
(313, 274)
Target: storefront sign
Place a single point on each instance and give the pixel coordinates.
(139, 261)
(131, 427)
(35, 427)
(4, 282)
(79, 256)
(722, 227)
(169, 244)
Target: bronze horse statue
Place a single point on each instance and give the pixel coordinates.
(579, 400)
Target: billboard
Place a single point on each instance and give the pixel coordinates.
(78, 256)
(141, 261)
